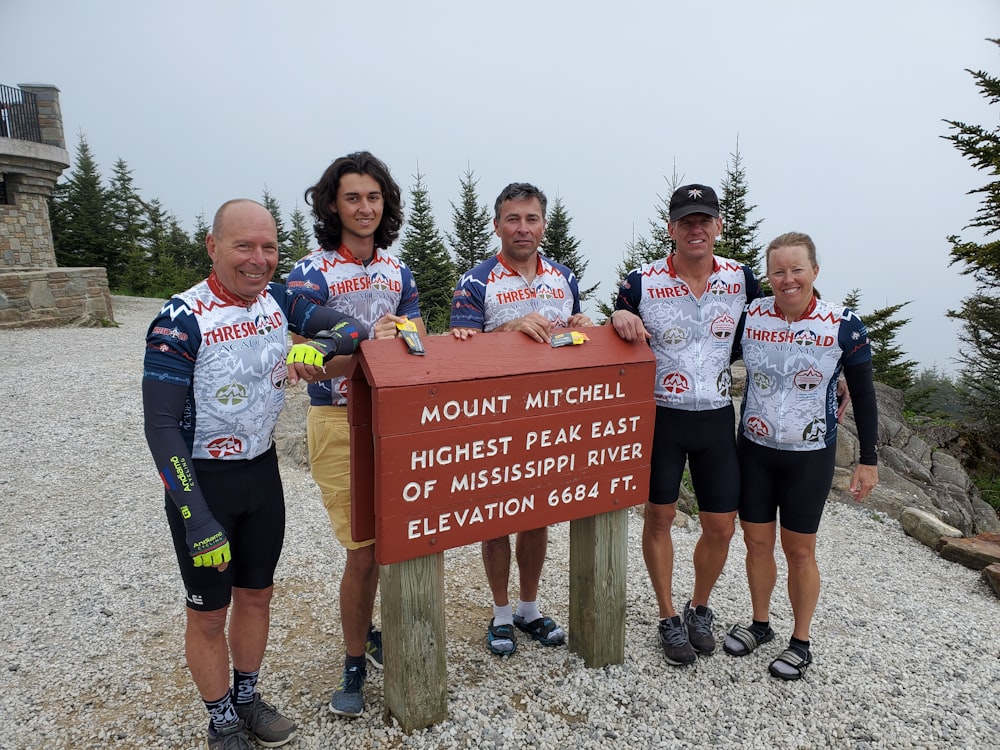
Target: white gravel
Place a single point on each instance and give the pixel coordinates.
(907, 645)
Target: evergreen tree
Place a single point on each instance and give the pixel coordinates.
(472, 241)
(199, 252)
(168, 254)
(285, 256)
(128, 217)
(888, 364)
(979, 381)
(739, 234)
(640, 250)
(82, 227)
(300, 239)
(559, 245)
(423, 250)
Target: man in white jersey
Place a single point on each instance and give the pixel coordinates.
(518, 290)
(689, 307)
(358, 211)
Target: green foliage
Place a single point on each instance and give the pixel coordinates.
(980, 312)
(82, 226)
(286, 257)
(300, 237)
(473, 224)
(739, 234)
(424, 252)
(933, 397)
(887, 357)
(128, 222)
(562, 247)
(638, 251)
(989, 487)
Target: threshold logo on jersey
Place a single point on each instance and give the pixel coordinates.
(232, 394)
(718, 287)
(676, 383)
(799, 338)
(378, 281)
(723, 327)
(667, 292)
(757, 426)
(260, 326)
(808, 380)
(543, 291)
(225, 446)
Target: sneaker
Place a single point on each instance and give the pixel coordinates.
(699, 627)
(674, 639)
(348, 699)
(265, 724)
(373, 647)
(228, 738)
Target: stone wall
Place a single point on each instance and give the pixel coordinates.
(54, 296)
(27, 239)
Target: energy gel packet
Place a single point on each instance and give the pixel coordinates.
(568, 338)
(408, 330)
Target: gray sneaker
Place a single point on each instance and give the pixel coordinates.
(348, 700)
(674, 639)
(699, 627)
(373, 647)
(265, 724)
(229, 738)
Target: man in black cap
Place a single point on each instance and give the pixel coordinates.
(689, 307)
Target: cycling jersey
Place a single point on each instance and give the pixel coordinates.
(792, 370)
(366, 291)
(493, 293)
(692, 337)
(230, 355)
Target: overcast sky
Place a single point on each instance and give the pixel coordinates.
(837, 108)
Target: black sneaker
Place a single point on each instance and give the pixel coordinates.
(699, 627)
(674, 639)
(232, 737)
(348, 700)
(265, 724)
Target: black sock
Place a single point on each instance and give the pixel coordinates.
(355, 661)
(222, 712)
(761, 628)
(799, 646)
(244, 684)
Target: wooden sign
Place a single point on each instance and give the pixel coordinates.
(497, 434)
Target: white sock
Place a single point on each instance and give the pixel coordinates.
(528, 610)
(503, 615)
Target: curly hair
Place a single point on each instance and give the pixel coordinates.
(324, 194)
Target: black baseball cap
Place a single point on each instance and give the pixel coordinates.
(693, 199)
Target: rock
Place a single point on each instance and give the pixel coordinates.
(926, 527)
(975, 552)
(991, 574)
(290, 431)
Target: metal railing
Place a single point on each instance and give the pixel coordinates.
(19, 115)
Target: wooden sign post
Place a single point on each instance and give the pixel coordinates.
(483, 438)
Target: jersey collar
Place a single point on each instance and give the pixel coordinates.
(225, 295)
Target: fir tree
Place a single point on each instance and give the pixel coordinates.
(559, 245)
(424, 252)
(739, 234)
(128, 217)
(82, 226)
(637, 252)
(472, 241)
(888, 364)
(285, 256)
(300, 240)
(979, 381)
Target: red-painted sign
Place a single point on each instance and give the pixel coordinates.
(497, 434)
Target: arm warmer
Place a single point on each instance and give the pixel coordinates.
(861, 385)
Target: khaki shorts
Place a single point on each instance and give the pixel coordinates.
(329, 440)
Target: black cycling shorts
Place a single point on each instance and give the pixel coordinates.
(792, 483)
(246, 498)
(706, 440)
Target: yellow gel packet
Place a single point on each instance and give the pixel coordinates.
(568, 338)
(408, 330)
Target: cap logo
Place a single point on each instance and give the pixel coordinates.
(694, 193)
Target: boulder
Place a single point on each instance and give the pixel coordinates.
(991, 574)
(926, 528)
(975, 552)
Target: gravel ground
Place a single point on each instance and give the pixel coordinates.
(906, 645)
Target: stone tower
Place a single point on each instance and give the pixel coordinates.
(33, 290)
